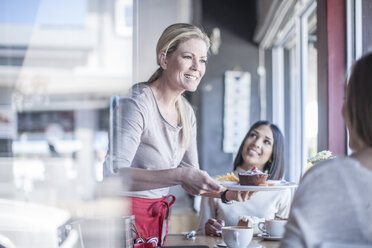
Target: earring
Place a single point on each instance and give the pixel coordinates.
(163, 60)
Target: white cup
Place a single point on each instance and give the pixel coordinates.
(274, 228)
(237, 236)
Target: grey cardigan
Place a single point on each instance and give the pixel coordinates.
(144, 139)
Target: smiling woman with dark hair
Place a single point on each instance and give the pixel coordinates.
(263, 148)
(275, 165)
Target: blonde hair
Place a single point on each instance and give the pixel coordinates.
(168, 42)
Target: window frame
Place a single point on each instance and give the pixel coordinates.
(296, 27)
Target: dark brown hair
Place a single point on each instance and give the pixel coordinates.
(358, 99)
(275, 165)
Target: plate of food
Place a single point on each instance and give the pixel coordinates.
(264, 187)
(253, 180)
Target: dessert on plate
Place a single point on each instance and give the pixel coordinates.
(250, 221)
(252, 177)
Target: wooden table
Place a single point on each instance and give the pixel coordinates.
(179, 239)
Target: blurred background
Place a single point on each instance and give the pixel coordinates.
(61, 61)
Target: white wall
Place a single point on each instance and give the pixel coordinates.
(151, 17)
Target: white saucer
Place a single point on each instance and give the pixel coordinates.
(222, 244)
(251, 245)
(268, 237)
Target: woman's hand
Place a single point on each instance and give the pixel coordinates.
(239, 196)
(196, 182)
(213, 227)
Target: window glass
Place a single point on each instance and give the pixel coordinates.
(60, 62)
(311, 105)
(366, 27)
(293, 108)
(47, 12)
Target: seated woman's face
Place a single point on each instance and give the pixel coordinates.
(258, 147)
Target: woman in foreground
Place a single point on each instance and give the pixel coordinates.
(333, 203)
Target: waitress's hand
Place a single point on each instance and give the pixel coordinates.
(213, 227)
(196, 182)
(239, 196)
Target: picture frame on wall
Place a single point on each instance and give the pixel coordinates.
(236, 109)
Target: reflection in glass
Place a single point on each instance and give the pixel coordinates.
(60, 62)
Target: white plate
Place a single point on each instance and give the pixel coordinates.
(251, 245)
(279, 185)
(268, 237)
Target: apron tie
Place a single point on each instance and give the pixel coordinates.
(161, 209)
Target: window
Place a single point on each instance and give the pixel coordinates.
(294, 82)
(310, 76)
(60, 62)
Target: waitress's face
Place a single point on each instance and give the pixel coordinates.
(258, 147)
(186, 66)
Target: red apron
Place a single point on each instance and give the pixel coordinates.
(149, 218)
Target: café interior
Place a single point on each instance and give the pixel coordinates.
(62, 62)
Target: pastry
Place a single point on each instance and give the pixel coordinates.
(252, 177)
